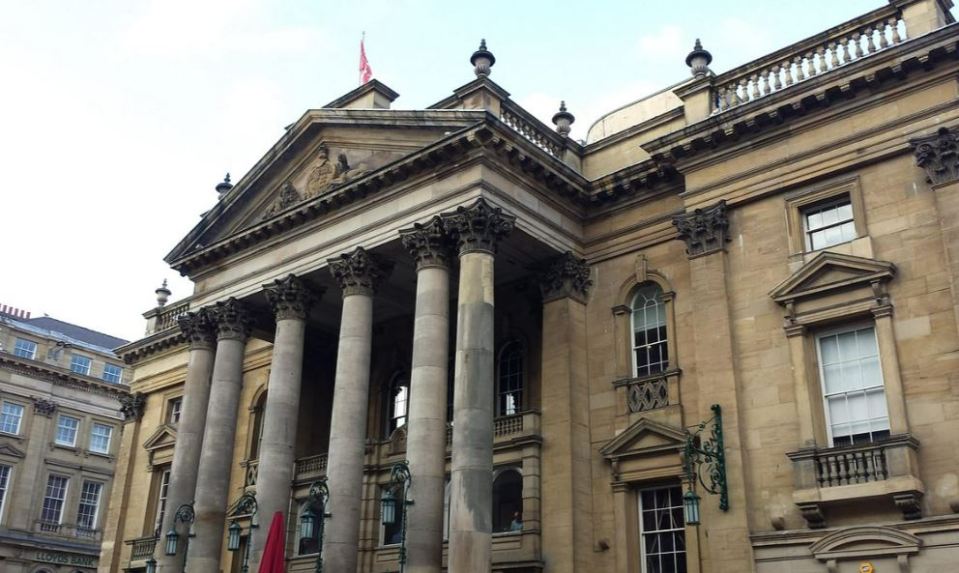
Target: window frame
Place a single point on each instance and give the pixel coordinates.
(174, 410)
(75, 358)
(3, 404)
(401, 379)
(17, 348)
(520, 406)
(833, 202)
(109, 437)
(834, 331)
(62, 500)
(798, 202)
(664, 344)
(497, 474)
(119, 373)
(639, 522)
(76, 431)
(6, 481)
(160, 494)
(95, 518)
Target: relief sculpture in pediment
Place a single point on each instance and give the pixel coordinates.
(322, 173)
(288, 197)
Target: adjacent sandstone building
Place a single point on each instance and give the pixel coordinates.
(61, 391)
(719, 335)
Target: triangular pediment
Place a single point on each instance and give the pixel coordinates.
(163, 437)
(830, 272)
(644, 437)
(9, 450)
(327, 149)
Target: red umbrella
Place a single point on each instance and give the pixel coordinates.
(272, 561)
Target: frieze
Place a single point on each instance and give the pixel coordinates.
(359, 272)
(479, 227)
(705, 231)
(291, 298)
(566, 276)
(938, 155)
(429, 244)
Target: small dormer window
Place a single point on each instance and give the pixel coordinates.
(829, 224)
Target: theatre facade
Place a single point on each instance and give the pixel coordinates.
(718, 335)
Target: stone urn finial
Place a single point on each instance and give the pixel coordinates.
(223, 186)
(163, 294)
(482, 60)
(563, 120)
(698, 60)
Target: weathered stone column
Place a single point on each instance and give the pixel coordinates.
(198, 329)
(477, 230)
(358, 274)
(114, 528)
(291, 300)
(566, 497)
(426, 437)
(216, 454)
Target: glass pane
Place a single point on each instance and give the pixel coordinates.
(830, 216)
(838, 412)
(845, 211)
(866, 339)
(833, 378)
(870, 372)
(848, 231)
(851, 380)
(876, 403)
(814, 220)
(829, 349)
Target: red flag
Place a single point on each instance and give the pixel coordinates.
(366, 72)
(273, 550)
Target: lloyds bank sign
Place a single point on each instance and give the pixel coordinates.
(66, 558)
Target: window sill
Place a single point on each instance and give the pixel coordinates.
(67, 447)
(103, 455)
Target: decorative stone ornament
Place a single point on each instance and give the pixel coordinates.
(938, 155)
(223, 186)
(478, 227)
(482, 60)
(704, 230)
(566, 276)
(290, 297)
(563, 120)
(198, 327)
(428, 244)
(44, 407)
(233, 320)
(131, 406)
(163, 295)
(698, 60)
(359, 272)
(288, 197)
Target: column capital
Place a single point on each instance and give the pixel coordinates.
(198, 327)
(131, 406)
(938, 155)
(478, 227)
(359, 272)
(429, 244)
(233, 320)
(704, 230)
(291, 297)
(566, 276)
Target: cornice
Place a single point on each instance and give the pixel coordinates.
(60, 377)
(715, 133)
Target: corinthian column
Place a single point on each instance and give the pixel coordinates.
(426, 438)
(291, 300)
(477, 230)
(358, 274)
(198, 329)
(216, 455)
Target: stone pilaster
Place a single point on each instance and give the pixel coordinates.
(291, 300)
(477, 229)
(705, 231)
(430, 247)
(358, 274)
(567, 536)
(198, 328)
(232, 322)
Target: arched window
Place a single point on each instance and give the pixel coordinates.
(259, 409)
(508, 501)
(398, 403)
(510, 379)
(650, 353)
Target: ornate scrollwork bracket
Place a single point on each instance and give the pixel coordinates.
(704, 458)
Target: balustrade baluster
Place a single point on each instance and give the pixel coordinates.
(754, 83)
(857, 43)
(799, 72)
(883, 42)
(810, 64)
(821, 59)
(845, 50)
(894, 24)
(833, 55)
(822, 472)
(871, 39)
(833, 470)
(777, 80)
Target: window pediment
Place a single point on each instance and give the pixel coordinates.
(9, 450)
(829, 273)
(163, 437)
(865, 542)
(644, 437)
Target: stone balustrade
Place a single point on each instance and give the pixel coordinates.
(142, 547)
(811, 57)
(311, 467)
(531, 128)
(165, 318)
(856, 464)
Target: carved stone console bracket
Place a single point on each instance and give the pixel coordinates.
(938, 155)
(44, 407)
(705, 231)
(566, 276)
(812, 513)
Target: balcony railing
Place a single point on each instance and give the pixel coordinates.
(143, 547)
(49, 526)
(851, 465)
(168, 317)
(312, 466)
(533, 130)
(841, 45)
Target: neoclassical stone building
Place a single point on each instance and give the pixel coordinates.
(743, 288)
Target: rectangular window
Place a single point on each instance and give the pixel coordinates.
(89, 505)
(10, 416)
(80, 364)
(52, 512)
(855, 400)
(4, 486)
(162, 488)
(25, 349)
(112, 373)
(829, 224)
(67, 430)
(662, 530)
(100, 435)
(175, 410)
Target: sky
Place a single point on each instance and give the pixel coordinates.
(118, 117)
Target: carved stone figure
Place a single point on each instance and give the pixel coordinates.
(322, 173)
(288, 197)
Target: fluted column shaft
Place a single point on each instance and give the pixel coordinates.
(216, 454)
(198, 329)
(291, 300)
(357, 273)
(477, 229)
(426, 434)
